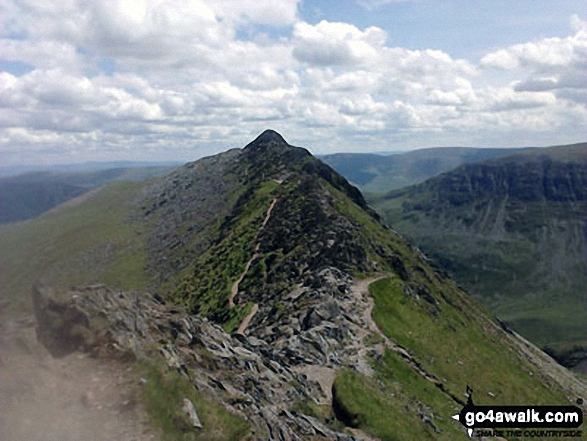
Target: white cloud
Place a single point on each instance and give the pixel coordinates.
(550, 52)
(543, 54)
(329, 43)
(41, 54)
(557, 65)
(202, 73)
(505, 99)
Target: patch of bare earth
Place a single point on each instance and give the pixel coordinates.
(74, 398)
(234, 290)
(247, 320)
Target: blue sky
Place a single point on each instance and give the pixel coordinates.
(463, 28)
(179, 79)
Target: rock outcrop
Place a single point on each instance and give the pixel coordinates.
(258, 377)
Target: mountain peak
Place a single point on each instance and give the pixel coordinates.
(266, 138)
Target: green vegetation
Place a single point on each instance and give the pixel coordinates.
(89, 240)
(511, 231)
(447, 333)
(453, 344)
(318, 223)
(450, 339)
(204, 286)
(163, 395)
(396, 405)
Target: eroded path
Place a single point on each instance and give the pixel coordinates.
(234, 290)
(361, 290)
(245, 323)
(73, 398)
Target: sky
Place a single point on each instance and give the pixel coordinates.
(175, 80)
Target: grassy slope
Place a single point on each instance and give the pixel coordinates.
(530, 273)
(163, 395)
(87, 240)
(61, 238)
(204, 285)
(548, 317)
(452, 339)
(457, 347)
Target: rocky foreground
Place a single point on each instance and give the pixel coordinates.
(257, 376)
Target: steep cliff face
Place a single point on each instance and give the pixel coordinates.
(511, 230)
(280, 295)
(535, 179)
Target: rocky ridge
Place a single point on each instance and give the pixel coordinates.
(285, 262)
(253, 377)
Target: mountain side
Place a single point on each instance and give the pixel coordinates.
(374, 173)
(89, 239)
(278, 296)
(512, 231)
(29, 195)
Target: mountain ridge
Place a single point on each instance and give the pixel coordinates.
(374, 173)
(290, 235)
(511, 230)
(29, 195)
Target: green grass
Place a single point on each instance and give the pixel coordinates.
(388, 406)
(448, 335)
(546, 320)
(524, 260)
(89, 240)
(163, 396)
(204, 286)
(458, 348)
(450, 342)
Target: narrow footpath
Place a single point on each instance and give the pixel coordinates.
(73, 398)
(235, 286)
(361, 289)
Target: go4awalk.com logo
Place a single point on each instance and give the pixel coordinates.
(517, 421)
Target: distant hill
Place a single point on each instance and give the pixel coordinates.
(512, 231)
(83, 167)
(31, 194)
(376, 173)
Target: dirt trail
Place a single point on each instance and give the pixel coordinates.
(234, 290)
(268, 214)
(361, 289)
(245, 323)
(75, 398)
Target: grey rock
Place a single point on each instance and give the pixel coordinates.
(190, 410)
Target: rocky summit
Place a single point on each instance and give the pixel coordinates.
(279, 306)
